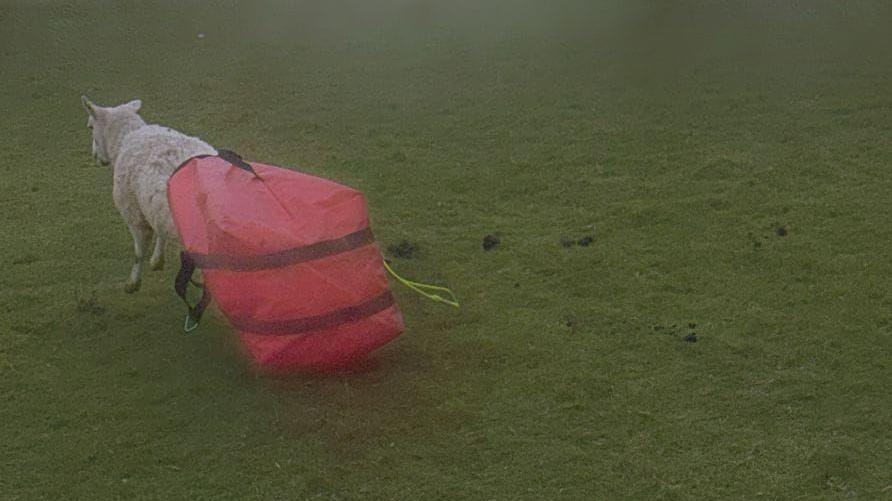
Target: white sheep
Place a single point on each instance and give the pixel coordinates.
(143, 157)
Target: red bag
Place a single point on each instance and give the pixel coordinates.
(289, 259)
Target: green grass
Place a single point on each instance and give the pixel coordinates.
(680, 135)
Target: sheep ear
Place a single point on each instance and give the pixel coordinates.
(134, 105)
(88, 105)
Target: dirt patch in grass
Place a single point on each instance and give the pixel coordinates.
(90, 304)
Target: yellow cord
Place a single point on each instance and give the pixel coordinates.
(417, 287)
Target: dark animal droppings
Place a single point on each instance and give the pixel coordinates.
(405, 250)
(781, 231)
(490, 242)
(691, 338)
(586, 241)
(26, 259)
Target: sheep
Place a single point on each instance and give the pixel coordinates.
(142, 157)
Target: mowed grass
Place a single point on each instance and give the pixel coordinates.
(730, 160)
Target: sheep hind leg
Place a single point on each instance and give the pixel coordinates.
(157, 259)
(141, 233)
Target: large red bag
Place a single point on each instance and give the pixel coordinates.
(289, 258)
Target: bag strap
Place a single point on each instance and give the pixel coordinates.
(181, 284)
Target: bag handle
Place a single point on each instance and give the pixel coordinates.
(181, 284)
(236, 160)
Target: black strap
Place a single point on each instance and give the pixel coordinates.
(236, 160)
(326, 320)
(287, 257)
(181, 284)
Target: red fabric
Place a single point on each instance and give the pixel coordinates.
(220, 209)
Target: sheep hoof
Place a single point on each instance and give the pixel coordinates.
(131, 287)
(157, 265)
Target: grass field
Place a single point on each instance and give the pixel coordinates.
(730, 160)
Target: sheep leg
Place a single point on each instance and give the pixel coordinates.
(157, 259)
(141, 234)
